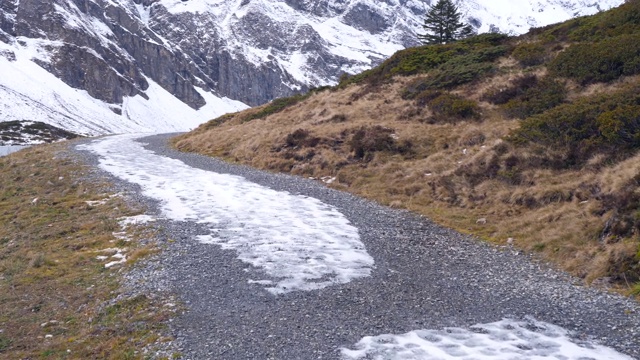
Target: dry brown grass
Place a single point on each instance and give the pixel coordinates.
(57, 300)
(448, 173)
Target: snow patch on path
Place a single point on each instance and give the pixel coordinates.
(502, 340)
(299, 242)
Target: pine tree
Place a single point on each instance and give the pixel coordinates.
(442, 24)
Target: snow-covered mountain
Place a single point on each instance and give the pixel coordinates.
(105, 66)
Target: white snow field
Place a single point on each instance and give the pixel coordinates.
(29, 92)
(502, 340)
(299, 242)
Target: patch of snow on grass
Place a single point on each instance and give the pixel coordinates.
(117, 256)
(502, 340)
(298, 242)
(135, 220)
(94, 203)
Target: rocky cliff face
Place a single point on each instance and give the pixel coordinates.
(248, 50)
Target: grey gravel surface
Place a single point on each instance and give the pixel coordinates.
(425, 277)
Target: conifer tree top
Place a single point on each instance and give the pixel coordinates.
(442, 24)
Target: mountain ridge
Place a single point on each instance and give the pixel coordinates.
(213, 56)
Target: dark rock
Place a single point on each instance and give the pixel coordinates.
(364, 17)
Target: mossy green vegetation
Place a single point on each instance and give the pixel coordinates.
(622, 20)
(601, 61)
(542, 95)
(603, 123)
(455, 63)
(530, 53)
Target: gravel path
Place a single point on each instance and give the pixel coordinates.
(425, 277)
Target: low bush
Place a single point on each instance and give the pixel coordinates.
(527, 96)
(461, 58)
(301, 138)
(529, 54)
(454, 107)
(414, 87)
(447, 107)
(542, 96)
(455, 74)
(338, 118)
(502, 95)
(426, 97)
(366, 141)
(601, 61)
(607, 124)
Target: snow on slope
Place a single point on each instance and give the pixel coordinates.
(29, 92)
(517, 17)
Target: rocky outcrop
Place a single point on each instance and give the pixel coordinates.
(29, 132)
(243, 51)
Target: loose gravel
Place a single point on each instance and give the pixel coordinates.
(425, 277)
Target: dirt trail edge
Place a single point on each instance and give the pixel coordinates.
(424, 277)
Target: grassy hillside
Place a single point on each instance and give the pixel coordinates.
(57, 298)
(529, 140)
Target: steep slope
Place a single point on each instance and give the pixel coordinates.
(103, 66)
(528, 141)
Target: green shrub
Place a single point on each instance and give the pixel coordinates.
(536, 99)
(622, 20)
(4, 343)
(502, 95)
(415, 87)
(426, 97)
(446, 106)
(601, 61)
(621, 125)
(466, 68)
(529, 54)
(453, 75)
(423, 59)
(607, 124)
(450, 107)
